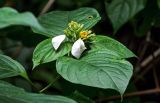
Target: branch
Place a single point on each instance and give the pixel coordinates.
(47, 6)
(150, 58)
(140, 93)
(142, 51)
(146, 69)
(17, 52)
(155, 78)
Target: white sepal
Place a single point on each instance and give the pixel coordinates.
(56, 41)
(77, 48)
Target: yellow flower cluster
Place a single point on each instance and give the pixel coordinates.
(75, 31)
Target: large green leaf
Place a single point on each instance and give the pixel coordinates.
(12, 94)
(10, 67)
(104, 42)
(9, 17)
(55, 22)
(96, 70)
(120, 11)
(44, 52)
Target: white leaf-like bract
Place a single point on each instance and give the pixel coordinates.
(56, 41)
(77, 48)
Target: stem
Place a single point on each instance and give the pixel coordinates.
(50, 84)
(29, 81)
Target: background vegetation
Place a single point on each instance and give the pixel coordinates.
(135, 23)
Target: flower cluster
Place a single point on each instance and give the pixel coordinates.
(75, 33)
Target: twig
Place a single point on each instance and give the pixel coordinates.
(149, 59)
(155, 78)
(47, 6)
(143, 51)
(17, 52)
(140, 93)
(154, 43)
(50, 84)
(146, 70)
(9, 3)
(148, 38)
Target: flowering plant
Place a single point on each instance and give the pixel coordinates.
(76, 34)
(81, 56)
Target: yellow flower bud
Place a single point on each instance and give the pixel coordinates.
(84, 34)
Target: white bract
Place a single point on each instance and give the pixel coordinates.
(77, 48)
(56, 41)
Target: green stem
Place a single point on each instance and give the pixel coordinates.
(50, 84)
(32, 84)
(25, 76)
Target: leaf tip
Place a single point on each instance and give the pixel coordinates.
(34, 66)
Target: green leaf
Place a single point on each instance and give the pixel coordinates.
(120, 11)
(104, 42)
(12, 94)
(96, 71)
(9, 17)
(158, 2)
(10, 67)
(44, 52)
(56, 21)
(80, 98)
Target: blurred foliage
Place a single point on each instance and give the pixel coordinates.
(133, 25)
